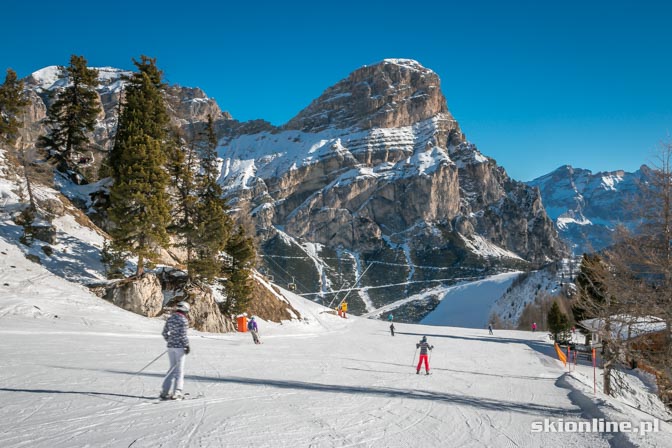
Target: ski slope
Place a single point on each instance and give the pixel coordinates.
(469, 304)
(68, 364)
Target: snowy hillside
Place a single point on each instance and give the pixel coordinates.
(75, 251)
(469, 305)
(68, 365)
(544, 283)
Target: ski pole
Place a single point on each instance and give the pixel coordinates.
(152, 362)
(170, 371)
(414, 353)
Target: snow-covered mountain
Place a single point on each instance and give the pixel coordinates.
(376, 176)
(374, 179)
(587, 206)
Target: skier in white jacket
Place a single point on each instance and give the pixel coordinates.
(175, 333)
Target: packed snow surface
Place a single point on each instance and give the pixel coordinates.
(69, 365)
(468, 304)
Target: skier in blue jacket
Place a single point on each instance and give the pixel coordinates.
(175, 334)
(254, 329)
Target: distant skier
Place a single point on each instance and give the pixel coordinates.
(534, 327)
(490, 328)
(175, 333)
(254, 329)
(424, 346)
(344, 309)
(392, 329)
(390, 317)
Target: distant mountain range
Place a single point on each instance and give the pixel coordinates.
(587, 207)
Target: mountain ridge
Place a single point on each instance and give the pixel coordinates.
(588, 206)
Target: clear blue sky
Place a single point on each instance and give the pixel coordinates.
(534, 84)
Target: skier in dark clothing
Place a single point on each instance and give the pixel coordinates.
(424, 347)
(490, 328)
(175, 334)
(254, 329)
(392, 329)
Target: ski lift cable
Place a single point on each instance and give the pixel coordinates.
(353, 286)
(284, 275)
(391, 285)
(337, 292)
(387, 263)
(289, 275)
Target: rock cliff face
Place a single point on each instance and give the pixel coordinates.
(587, 207)
(377, 174)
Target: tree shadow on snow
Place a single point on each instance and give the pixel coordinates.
(75, 392)
(410, 367)
(538, 346)
(487, 404)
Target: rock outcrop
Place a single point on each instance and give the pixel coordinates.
(204, 314)
(269, 304)
(139, 295)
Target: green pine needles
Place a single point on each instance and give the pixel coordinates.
(71, 118)
(12, 104)
(139, 208)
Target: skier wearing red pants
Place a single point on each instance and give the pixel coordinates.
(424, 346)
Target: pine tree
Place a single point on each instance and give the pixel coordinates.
(143, 110)
(212, 224)
(237, 285)
(182, 168)
(139, 208)
(592, 291)
(72, 117)
(557, 321)
(12, 104)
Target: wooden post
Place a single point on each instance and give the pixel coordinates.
(594, 374)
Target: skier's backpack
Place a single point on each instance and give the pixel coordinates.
(250, 325)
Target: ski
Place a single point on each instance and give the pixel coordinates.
(185, 397)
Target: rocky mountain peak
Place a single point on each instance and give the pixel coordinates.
(390, 94)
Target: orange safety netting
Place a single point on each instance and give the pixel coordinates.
(561, 356)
